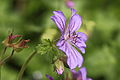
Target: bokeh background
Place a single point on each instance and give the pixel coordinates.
(31, 18)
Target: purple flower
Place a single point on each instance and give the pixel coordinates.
(70, 38)
(69, 3)
(80, 75)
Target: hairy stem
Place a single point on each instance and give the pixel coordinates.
(25, 65)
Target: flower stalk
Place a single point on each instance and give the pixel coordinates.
(7, 58)
(25, 65)
(4, 50)
(1, 55)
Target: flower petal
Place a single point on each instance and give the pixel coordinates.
(60, 42)
(74, 58)
(76, 75)
(82, 49)
(82, 36)
(73, 11)
(84, 73)
(59, 20)
(74, 23)
(79, 40)
(80, 45)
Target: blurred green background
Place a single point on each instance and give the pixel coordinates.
(31, 18)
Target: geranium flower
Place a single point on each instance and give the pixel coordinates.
(70, 38)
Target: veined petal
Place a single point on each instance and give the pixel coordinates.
(82, 36)
(74, 23)
(79, 40)
(80, 45)
(59, 20)
(74, 58)
(60, 42)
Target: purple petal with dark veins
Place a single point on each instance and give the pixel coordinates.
(74, 23)
(74, 58)
(82, 36)
(60, 42)
(79, 40)
(59, 20)
(80, 45)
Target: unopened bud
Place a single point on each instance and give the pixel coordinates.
(69, 3)
(59, 66)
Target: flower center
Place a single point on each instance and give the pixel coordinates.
(67, 36)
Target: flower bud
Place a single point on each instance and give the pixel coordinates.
(59, 66)
(69, 3)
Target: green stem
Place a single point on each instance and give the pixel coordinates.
(1, 55)
(25, 65)
(7, 58)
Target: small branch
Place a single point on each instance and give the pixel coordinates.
(3, 53)
(25, 65)
(7, 58)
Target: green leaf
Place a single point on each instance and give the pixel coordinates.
(46, 46)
